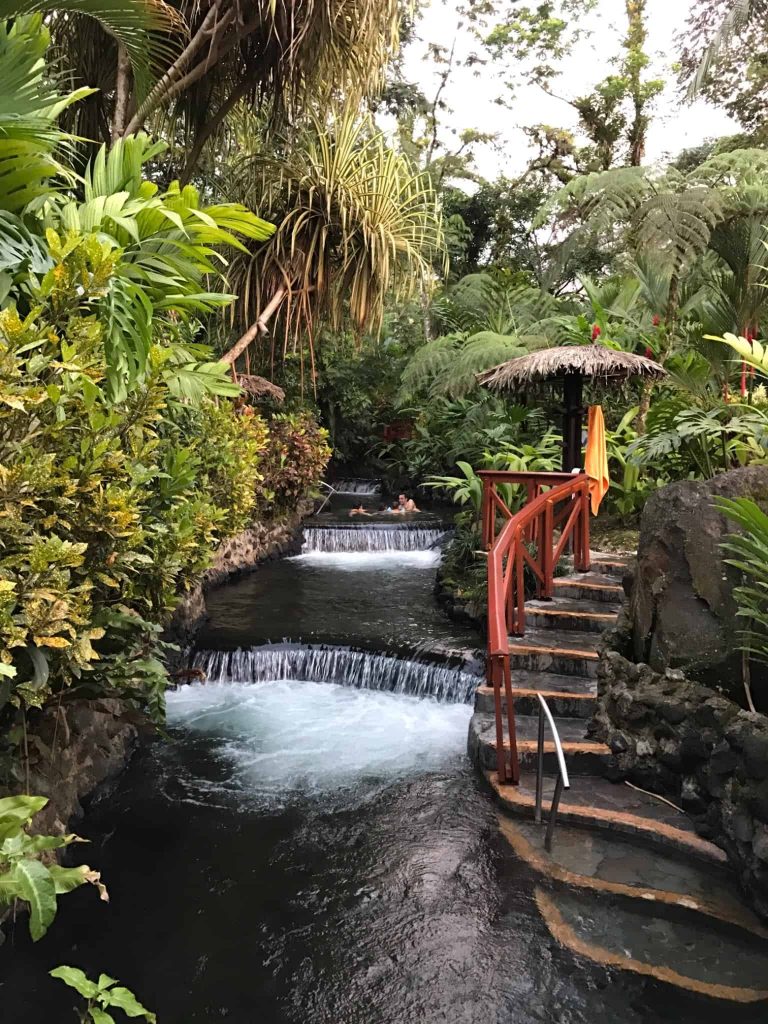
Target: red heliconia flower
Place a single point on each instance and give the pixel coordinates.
(656, 320)
(648, 352)
(596, 332)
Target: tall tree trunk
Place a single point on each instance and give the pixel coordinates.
(634, 63)
(426, 319)
(259, 327)
(122, 92)
(210, 127)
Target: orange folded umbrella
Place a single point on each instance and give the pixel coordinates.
(596, 457)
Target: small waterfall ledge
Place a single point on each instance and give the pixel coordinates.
(342, 665)
(359, 538)
(356, 486)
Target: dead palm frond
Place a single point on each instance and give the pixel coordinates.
(280, 54)
(357, 224)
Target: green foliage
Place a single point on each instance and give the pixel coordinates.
(489, 320)
(463, 490)
(749, 551)
(293, 462)
(702, 441)
(29, 107)
(165, 247)
(631, 484)
(102, 996)
(27, 873)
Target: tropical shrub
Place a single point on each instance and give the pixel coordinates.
(749, 551)
(293, 463)
(102, 997)
(110, 508)
(27, 873)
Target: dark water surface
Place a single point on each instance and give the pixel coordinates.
(313, 853)
(380, 600)
(266, 868)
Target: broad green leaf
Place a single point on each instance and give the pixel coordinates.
(37, 889)
(16, 811)
(125, 1000)
(77, 980)
(101, 1016)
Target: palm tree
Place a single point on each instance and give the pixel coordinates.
(356, 224)
(273, 53)
(136, 31)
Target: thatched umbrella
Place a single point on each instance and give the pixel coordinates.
(571, 364)
(260, 387)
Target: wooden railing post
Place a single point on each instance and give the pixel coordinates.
(546, 547)
(507, 557)
(487, 515)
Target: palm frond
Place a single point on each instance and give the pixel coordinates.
(141, 26)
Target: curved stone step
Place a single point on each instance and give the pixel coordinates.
(569, 614)
(589, 587)
(601, 805)
(609, 565)
(567, 696)
(562, 652)
(716, 961)
(606, 863)
(583, 757)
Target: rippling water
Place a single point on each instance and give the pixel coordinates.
(286, 738)
(312, 854)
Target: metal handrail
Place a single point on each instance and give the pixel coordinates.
(562, 775)
(331, 492)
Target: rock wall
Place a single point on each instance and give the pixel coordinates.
(670, 692)
(677, 737)
(681, 606)
(72, 749)
(238, 555)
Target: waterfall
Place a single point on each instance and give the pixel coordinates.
(341, 665)
(358, 538)
(356, 486)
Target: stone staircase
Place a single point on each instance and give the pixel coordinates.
(628, 883)
(558, 658)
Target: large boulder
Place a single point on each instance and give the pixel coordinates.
(681, 605)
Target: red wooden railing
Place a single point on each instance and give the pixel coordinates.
(554, 519)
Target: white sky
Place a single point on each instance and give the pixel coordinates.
(470, 96)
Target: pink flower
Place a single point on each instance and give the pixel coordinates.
(656, 320)
(596, 332)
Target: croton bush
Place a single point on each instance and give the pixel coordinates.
(109, 510)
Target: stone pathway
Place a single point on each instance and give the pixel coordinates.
(628, 882)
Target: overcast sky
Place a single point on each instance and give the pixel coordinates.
(471, 97)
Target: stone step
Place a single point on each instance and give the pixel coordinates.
(718, 960)
(567, 696)
(569, 614)
(562, 652)
(589, 587)
(608, 863)
(622, 809)
(609, 565)
(583, 757)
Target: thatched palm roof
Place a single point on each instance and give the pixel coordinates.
(260, 387)
(551, 364)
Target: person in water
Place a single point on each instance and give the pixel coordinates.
(360, 510)
(406, 504)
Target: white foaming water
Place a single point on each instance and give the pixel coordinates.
(364, 561)
(284, 738)
(357, 538)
